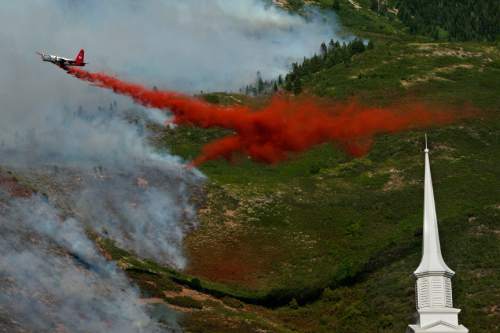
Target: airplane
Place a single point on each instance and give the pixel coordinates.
(64, 62)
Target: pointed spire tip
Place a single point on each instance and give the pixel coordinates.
(426, 149)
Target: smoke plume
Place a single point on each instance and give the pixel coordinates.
(286, 125)
(53, 279)
(88, 149)
(79, 144)
(189, 45)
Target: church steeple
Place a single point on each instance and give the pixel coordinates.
(433, 286)
(432, 259)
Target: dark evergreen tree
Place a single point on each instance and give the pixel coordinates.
(296, 4)
(452, 19)
(324, 50)
(297, 86)
(331, 45)
(260, 83)
(336, 5)
(357, 46)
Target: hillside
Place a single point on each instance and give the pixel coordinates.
(323, 242)
(327, 243)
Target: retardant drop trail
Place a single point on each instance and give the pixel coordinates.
(286, 125)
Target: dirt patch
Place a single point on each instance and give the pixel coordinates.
(190, 293)
(451, 68)
(395, 182)
(153, 300)
(442, 147)
(433, 75)
(420, 79)
(11, 185)
(285, 3)
(280, 3)
(356, 5)
(493, 310)
(459, 53)
(483, 230)
(394, 10)
(425, 46)
(441, 50)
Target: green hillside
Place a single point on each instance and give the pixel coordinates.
(328, 243)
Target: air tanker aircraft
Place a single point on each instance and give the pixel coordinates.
(64, 62)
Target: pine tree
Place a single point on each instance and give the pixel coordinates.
(297, 86)
(323, 49)
(260, 83)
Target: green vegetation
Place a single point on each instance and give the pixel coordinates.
(358, 17)
(325, 242)
(185, 302)
(438, 72)
(338, 238)
(452, 19)
(232, 302)
(328, 243)
(296, 4)
(329, 56)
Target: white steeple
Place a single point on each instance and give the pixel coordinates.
(432, 259)
(433, 287)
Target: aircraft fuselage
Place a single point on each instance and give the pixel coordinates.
(64, 62)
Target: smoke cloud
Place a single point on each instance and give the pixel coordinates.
(48, 120)
(189, 45)
(53, 279)
(286, 125)
(87, 148)
(144, 209)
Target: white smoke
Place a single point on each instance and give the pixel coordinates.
(190, 45)
(75, 142)
(101, 166)
(54, 280)
(49, 118)
(145, 211)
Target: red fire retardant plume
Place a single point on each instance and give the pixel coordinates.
(284, 126)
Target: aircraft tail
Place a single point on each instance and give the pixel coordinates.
(80, 58)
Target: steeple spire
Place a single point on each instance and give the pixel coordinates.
(433, 286)
(432, 259)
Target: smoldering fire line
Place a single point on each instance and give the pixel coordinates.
(285, 125)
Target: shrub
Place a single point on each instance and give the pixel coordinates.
(185, 302)
(232, 302)
(293, 304)
(296, 4)
(196, 284)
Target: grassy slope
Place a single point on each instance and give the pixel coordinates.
(321, 219)
(273, 233)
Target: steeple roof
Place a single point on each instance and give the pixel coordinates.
(432, 259)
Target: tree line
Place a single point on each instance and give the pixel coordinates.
(329, 55)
